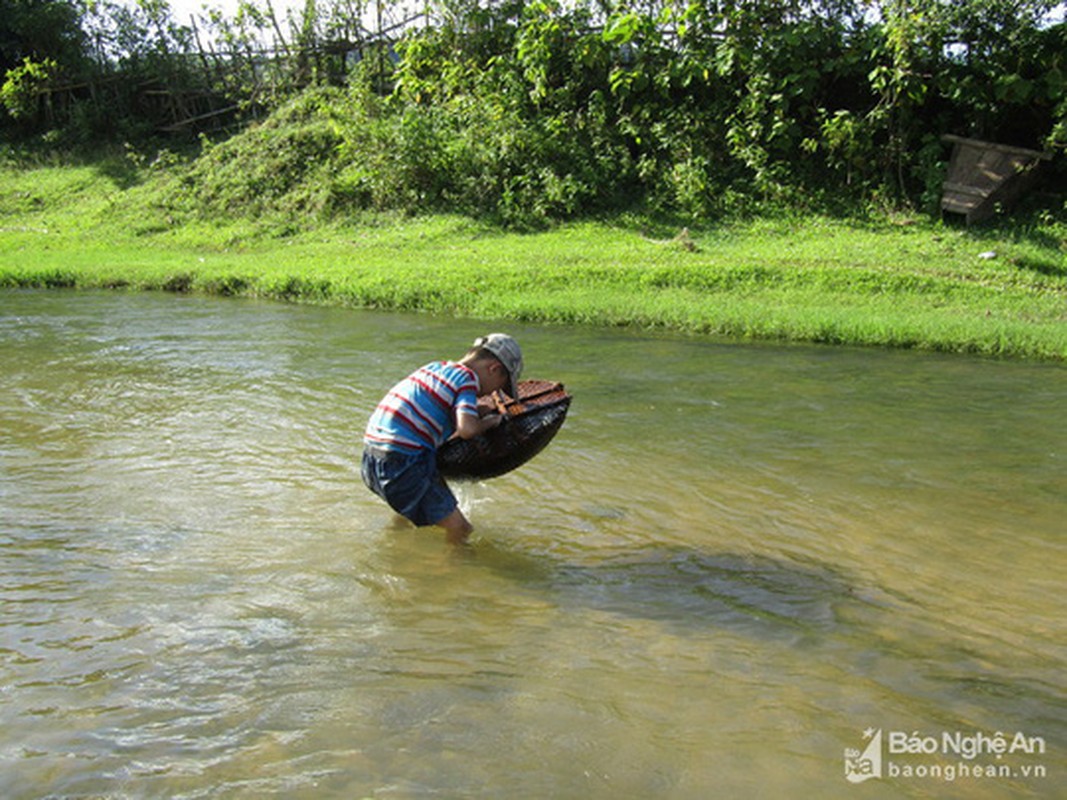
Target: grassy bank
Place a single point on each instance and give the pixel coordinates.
(894, 283)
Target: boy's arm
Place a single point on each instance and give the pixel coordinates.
(470, 425)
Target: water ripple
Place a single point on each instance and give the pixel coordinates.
(730, 563)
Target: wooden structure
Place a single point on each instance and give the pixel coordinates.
(529, 424)
(984, 176)
(220, 87)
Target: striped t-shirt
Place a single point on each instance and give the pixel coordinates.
(417, 413)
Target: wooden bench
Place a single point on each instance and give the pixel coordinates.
(985, 176)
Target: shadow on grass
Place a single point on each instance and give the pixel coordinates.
(1039, 221)
(122, 172)
(1042, 266)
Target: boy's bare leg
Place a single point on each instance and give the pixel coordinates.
(456, 526)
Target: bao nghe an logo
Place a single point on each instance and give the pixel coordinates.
(951, 756)
(862, 766)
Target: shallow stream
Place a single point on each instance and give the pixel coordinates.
(733, 563)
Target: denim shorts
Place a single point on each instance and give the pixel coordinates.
(410, 484)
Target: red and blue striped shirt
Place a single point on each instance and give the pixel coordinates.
(419, 413)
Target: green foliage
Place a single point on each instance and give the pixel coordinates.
(280, 166)
(23, 84)
(483, 134)
(529, 112)
(41, 30)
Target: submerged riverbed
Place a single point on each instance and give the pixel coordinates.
(732, 564)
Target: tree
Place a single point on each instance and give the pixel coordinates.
(40, 30)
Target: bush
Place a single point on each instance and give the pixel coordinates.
(532, 112)
(280, 165)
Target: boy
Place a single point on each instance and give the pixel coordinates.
(419, 414)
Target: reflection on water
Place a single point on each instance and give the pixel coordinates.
(731, 562)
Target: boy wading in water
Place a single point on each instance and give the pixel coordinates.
(420, 414)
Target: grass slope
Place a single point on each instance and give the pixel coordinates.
(813, 279)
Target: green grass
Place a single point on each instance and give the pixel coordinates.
(813, 279)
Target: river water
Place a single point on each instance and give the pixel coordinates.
(734, 564)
